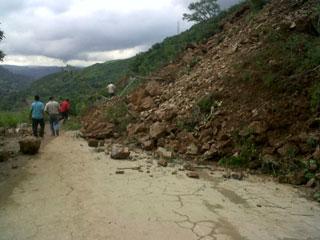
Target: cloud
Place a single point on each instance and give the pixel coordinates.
(86, 30)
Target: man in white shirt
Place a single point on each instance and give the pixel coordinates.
(111, 88)
(52, 108)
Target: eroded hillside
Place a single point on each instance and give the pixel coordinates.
(248, 97)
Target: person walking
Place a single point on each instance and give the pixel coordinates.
(64, 109)
(37, 116)
(111, 88)
(52, 109)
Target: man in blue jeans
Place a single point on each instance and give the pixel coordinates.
(37, 115)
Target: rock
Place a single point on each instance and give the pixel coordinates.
(30, 145)
(119, 152)
(162, 163)
(118, 172)
(14, 166)
(288, 149)
(153, 88)
(174, 172)
(133, 129)
(192, 149)
(237, 176)
(311, 183)
(212, 153)
(4, 156)
(136, 97)
(194, 175)
(258, 127)
(93, 143)
(163, 153)
(146, 143)
(147, 103)
(298, 178)
(317, 176)
(157, 130)
(188, 166)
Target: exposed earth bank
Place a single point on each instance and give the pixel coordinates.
(71, 191)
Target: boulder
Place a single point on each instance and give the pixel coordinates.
(153, 88)
(163, 153)
(157, 130)
(119, 152)
(93, 143)
(30, 145)
(192, 149)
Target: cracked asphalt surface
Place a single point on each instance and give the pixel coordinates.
(69, 191)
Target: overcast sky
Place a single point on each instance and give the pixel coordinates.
(84, 32)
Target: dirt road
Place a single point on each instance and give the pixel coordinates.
(72, 192)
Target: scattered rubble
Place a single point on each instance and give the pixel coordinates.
(119, 152)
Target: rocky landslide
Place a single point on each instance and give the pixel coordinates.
(201, 109)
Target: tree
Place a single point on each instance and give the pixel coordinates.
(202, 11)
(1, 53)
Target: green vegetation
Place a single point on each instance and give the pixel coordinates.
(73, 124)
(286, 58)
(12, 119)
(119, 115)
(202, 11)
(247, 153)
(206, 104)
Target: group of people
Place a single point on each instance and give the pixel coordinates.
(55, 111)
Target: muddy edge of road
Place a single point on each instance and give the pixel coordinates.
(13, 171)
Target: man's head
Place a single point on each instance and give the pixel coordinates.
(51, 98)
(37, 98)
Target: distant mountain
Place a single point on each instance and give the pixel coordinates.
(10, 82)
(34, 72)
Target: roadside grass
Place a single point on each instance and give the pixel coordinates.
(73, 124)
(247, 153)
(12, 119)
